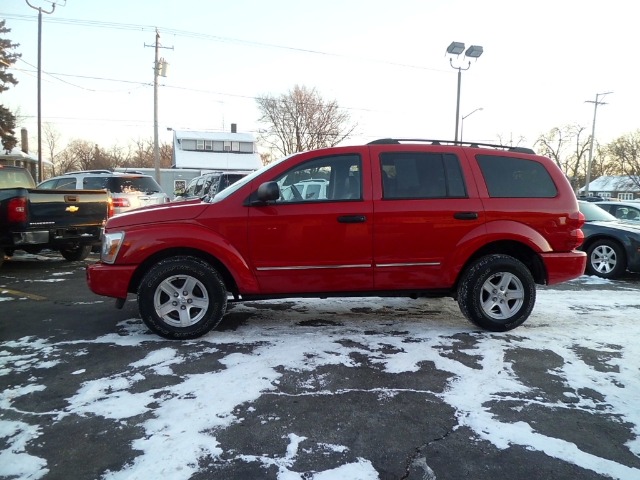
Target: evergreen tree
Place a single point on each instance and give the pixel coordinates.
(7, 59)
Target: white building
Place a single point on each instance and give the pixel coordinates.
(205, 150)
(619, 187)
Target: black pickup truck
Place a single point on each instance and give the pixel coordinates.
(69, 221)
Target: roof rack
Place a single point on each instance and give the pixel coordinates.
(390, 141)
(87, 171)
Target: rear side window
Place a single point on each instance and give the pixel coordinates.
(420, 175)
(509, 177)
(133, 185)
(94, 183)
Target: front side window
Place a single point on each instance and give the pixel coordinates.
(65, 183)
(419, 175)
(323, 179)
(508, 177)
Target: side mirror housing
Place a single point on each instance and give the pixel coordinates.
(268, 192)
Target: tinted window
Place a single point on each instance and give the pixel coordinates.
(516, 177)
(421, 175)
(133, 185)
(94, 183)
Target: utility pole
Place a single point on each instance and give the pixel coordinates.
(593, 134)
(40, 11)
(159, 69)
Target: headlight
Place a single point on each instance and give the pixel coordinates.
(111, 243)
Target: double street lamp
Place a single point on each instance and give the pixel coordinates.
(455, 49)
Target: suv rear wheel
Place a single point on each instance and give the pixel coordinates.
(182, 298)
(497, 293)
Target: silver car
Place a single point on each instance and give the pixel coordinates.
(128, 190)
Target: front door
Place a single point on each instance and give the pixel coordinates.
(318, 236)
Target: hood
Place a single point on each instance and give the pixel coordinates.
(167, 212)
(633, 227)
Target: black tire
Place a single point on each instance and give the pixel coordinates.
(606, 259)
(497, 293)
(181, 298)
(73, 254)
(1, 256)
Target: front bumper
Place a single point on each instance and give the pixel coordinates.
(110, 280)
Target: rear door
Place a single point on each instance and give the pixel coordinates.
(322, 243)
(425, 207)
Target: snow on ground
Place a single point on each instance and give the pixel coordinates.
(563, 322)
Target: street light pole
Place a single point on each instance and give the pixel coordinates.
(593, 134)
(455, 49)
(465, 116)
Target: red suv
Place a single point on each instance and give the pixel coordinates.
(480, 223)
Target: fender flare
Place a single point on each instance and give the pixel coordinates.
(159, 240)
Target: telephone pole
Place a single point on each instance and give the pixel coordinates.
(40, 11)
(593, 134)
(159, 69)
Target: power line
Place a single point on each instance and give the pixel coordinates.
(214, 38)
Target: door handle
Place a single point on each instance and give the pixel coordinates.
(352, 219)
(465, 215)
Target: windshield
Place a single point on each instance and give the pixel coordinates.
(593, 213)
(242, 182)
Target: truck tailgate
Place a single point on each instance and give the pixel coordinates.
(68, 207)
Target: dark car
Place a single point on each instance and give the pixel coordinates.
(612, 246)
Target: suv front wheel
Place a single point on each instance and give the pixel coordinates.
(496, 293)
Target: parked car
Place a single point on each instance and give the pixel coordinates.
(622, 210)
(612, 245)
(311, 189)
(127, 190)
(70, 222)
(483, 224)
(206, 186)
(590, 198)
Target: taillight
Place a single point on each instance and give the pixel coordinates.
(17, 210)
(121, 203)
(576, 238)
(110, 209)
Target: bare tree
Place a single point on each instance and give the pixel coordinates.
(51, 138)
(625, 152)
(568, 148)
(302, 120)
(141, 155)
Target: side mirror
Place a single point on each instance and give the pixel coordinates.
(268, 192)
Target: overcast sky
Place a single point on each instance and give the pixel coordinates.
(383, 61)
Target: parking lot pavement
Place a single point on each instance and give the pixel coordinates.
(367, 388)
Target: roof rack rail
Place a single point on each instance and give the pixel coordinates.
(392, 141)
(87, 171)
